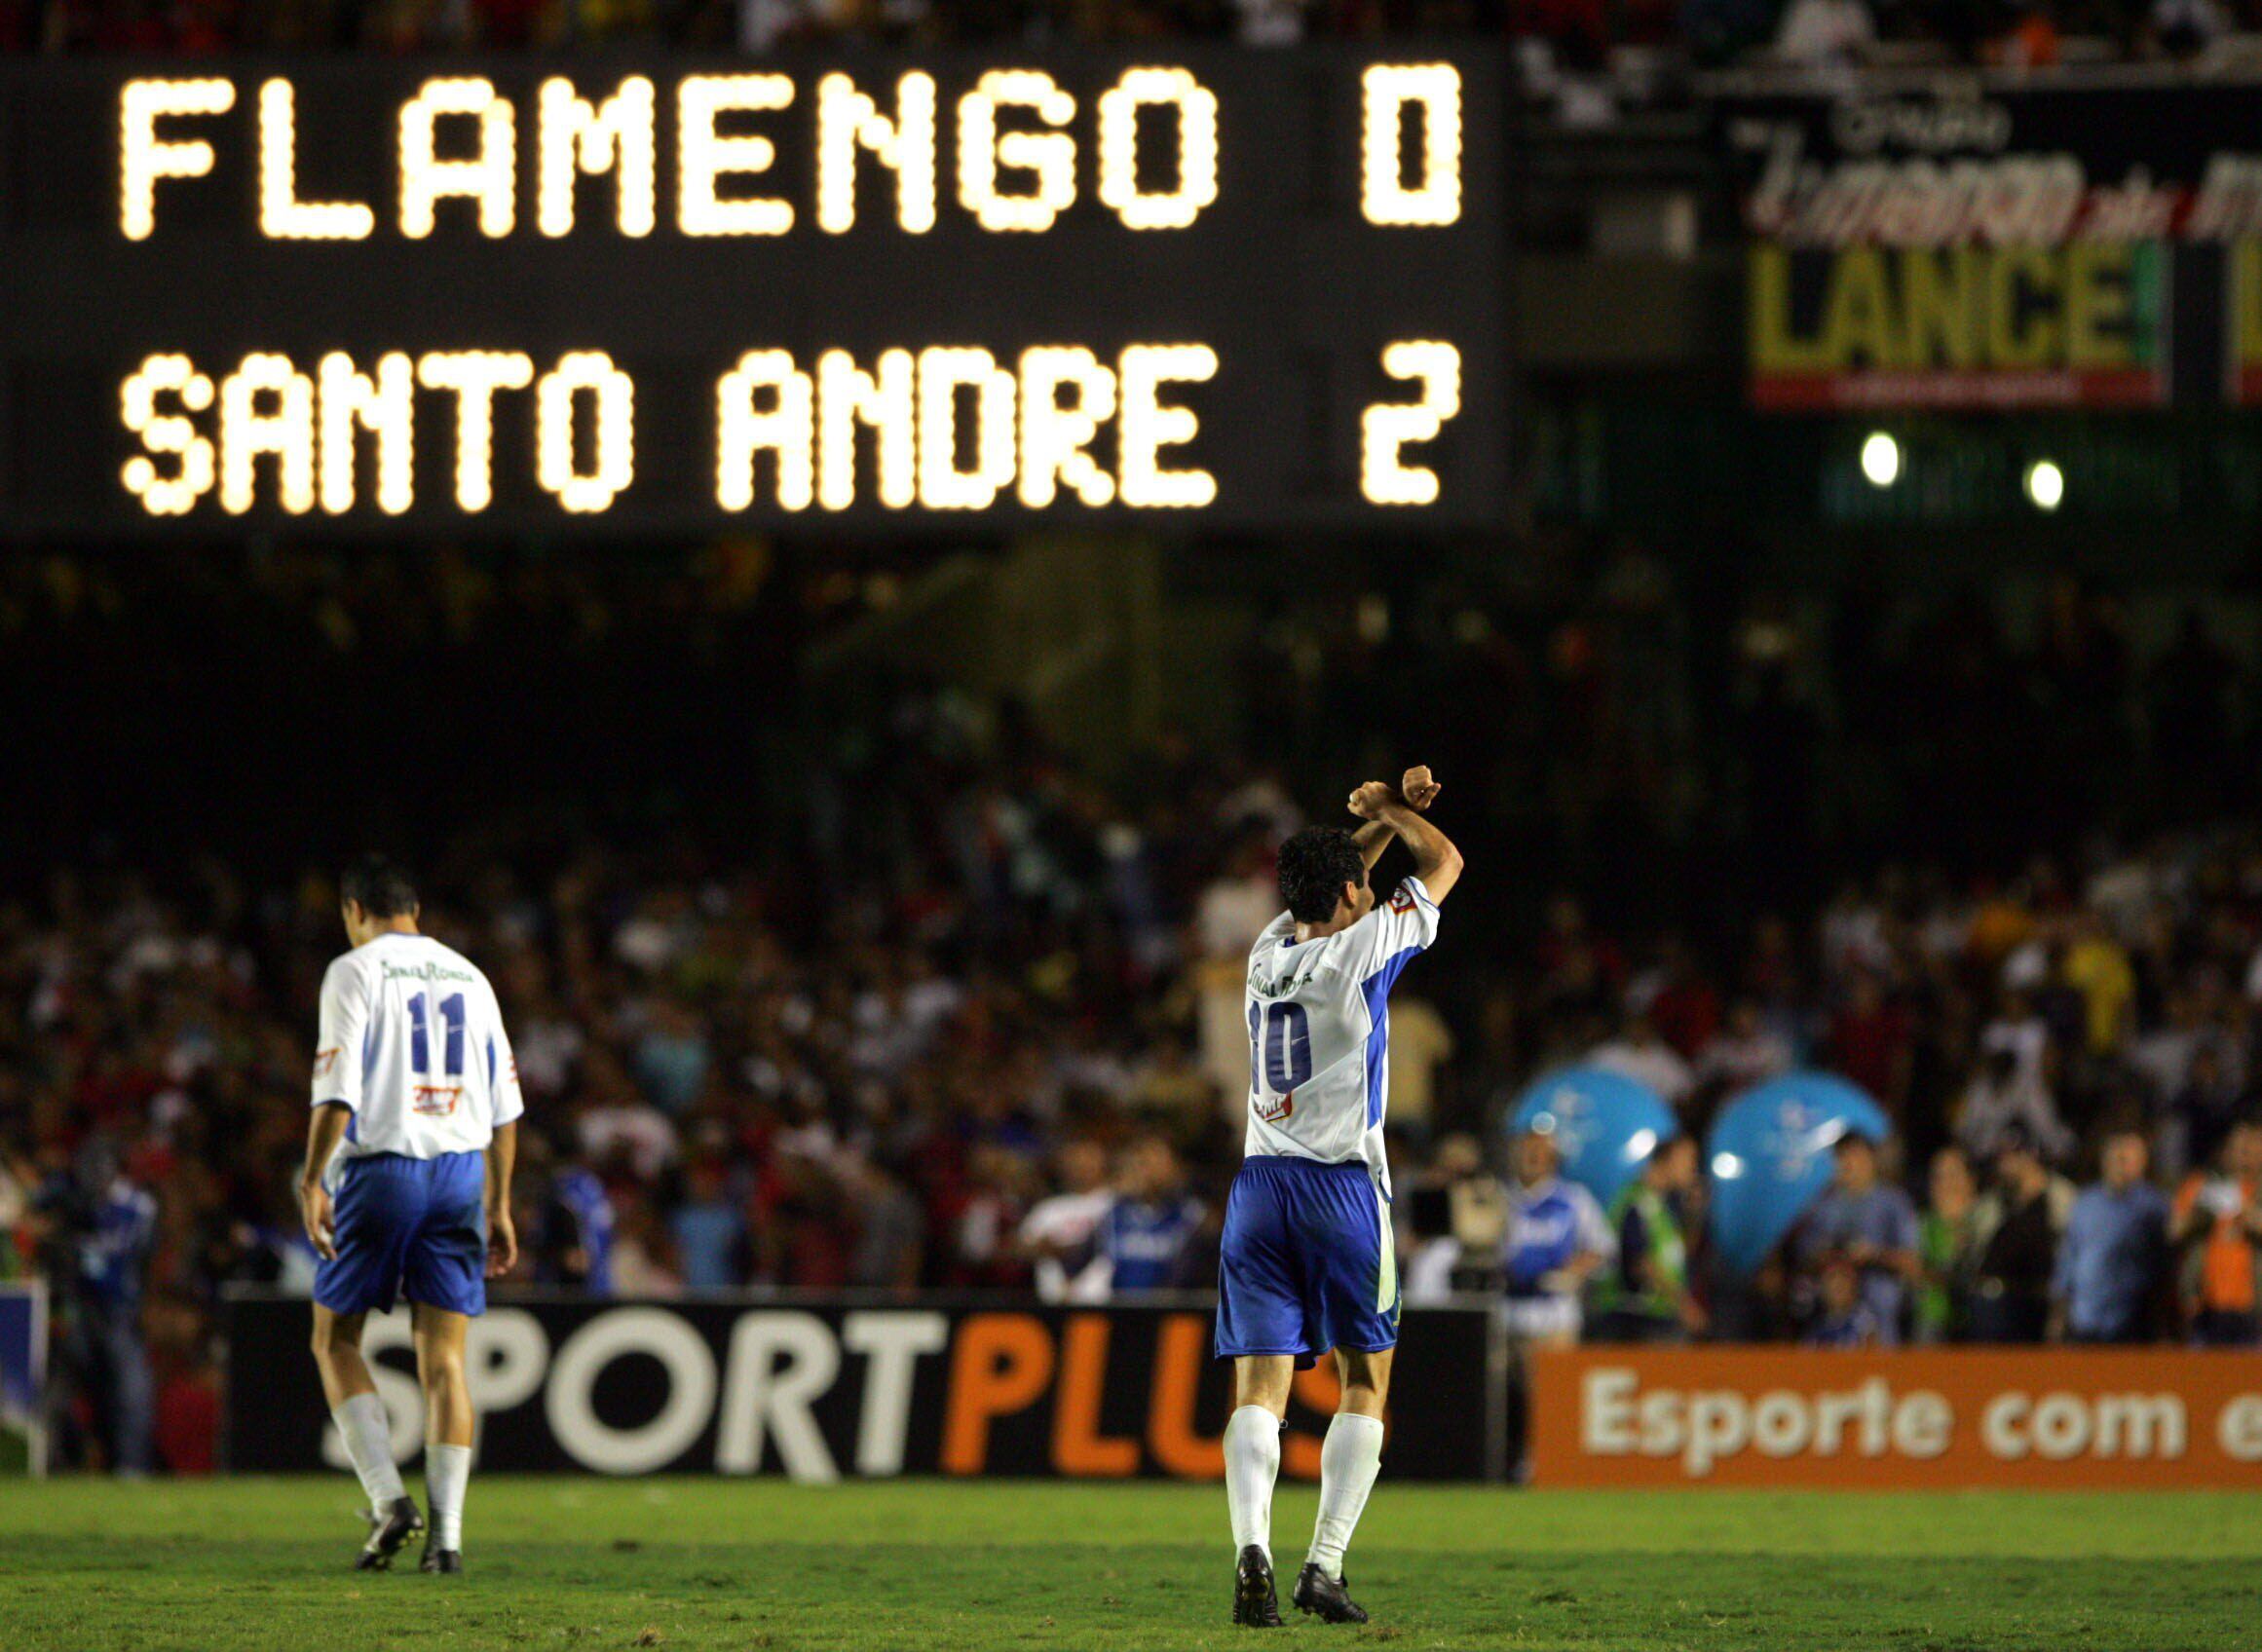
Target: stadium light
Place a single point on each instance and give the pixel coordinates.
(2045, 484)
(1880, 460)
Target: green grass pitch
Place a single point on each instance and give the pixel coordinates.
(760, 1566)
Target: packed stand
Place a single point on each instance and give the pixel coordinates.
(1009, 1062)
(920, 999)
(1560, 41)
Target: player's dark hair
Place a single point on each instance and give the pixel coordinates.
(1314, 866)
(381, 886)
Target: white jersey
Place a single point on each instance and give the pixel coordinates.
(1319, 1031)
(412, 1040)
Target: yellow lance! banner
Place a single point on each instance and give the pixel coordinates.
(1970, 325)
(2246, 374)
(1916, 1419)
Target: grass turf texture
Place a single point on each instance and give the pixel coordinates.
(761, 1566)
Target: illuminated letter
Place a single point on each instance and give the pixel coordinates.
(167, 434)
(283, 217)
(287, 430)
(585, 372)
(1054, 434)
(847, 118)
(143, 157)
(1387, 427)
(882, 400)
(942, 372)
(577, 137)
(1198, 148)
(703, 155)
(475, 376)
(788, 429)
(485, 177)
(1435, 196)
(386, 407)
(1049, 156)
(1147, 426)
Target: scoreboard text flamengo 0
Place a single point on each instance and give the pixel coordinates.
(1251, 290)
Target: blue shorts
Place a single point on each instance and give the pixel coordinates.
(413, 1227)
(1307, 1264)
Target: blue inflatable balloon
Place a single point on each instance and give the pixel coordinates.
(1605, 1124)
(1771, 1155)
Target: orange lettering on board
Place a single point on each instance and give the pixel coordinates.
(1001, 1366)
(1077, 1445)
(1182, 1347)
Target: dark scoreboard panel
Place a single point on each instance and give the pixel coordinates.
(1183, 287)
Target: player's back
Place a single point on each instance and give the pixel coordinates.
(1319, 1031)
(412, 1040)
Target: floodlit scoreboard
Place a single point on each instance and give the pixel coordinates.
(1191, 286)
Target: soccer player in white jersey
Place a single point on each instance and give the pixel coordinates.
(1307, 1268)
(406, 1191)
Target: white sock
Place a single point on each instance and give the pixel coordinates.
(1252, 1464)
(1349, 1460)
(368, 1437)
(447, 1469)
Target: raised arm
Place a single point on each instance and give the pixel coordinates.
(1372, 839)
(1436, 862)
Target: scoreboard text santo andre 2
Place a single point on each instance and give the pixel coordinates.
(1254, 290)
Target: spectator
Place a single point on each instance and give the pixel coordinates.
(574, 1233)
(1872, 1039)
(1232, 911)
(2002, 1098)
(2217, 1224)
(1845, 1318)
(1870, 1225)
(2030, 41)
(2111, 1261)
(95, 1213)
(2184, 28)
(1643, 1294)
(1640, 1054)
(2202, 1110)
(1060, 1233)
(1556, 1239)
(709, 1231)
(890, 1240)
(1420, 1042)
(2016, 1229)
(1150, 1227)
(1826, 33)
(1457, 1213)
(1745, 1053)
(1946, 1245)
(2097, 967)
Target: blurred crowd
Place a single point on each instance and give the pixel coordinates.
(988, 1036)
(1554, 37)
(871, 981)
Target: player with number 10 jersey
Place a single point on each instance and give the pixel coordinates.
(1308, 1262)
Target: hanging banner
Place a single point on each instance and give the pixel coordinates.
(1777, 1416)
(1964, 243)
(819, 1389)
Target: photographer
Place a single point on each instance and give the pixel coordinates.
(96, 1229)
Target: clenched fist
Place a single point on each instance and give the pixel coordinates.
(1370, 800)
(1417, 789)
